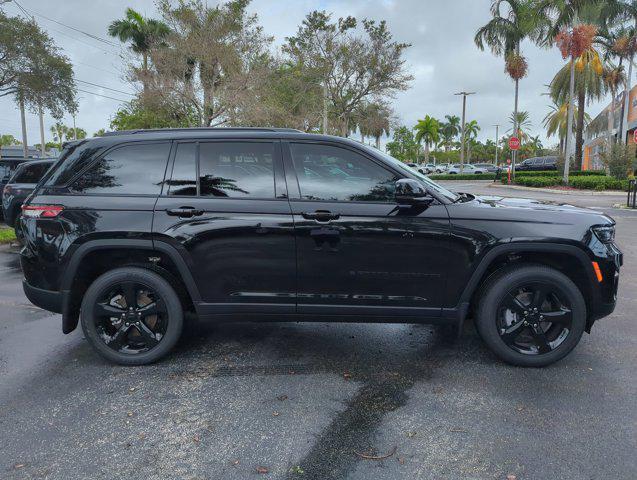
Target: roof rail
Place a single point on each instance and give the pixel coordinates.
(200, 129)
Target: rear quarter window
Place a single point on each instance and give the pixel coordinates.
(133, 169)
(31, 173)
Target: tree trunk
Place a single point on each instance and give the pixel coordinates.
(345, 127)
(629, 78)
(426, 152)
(579, 141)
(325, 103)
(42, 144)
(611, 118)
(569, 124)
(378, 142)
(25, 143)
(514, 154)
(144, 72)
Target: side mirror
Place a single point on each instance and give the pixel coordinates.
(411, 192)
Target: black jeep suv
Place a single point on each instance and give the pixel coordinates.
(128, 231)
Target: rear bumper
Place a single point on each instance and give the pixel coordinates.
(45, 299)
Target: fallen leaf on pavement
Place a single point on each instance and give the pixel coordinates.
(281, 398)
(367, 456)
(262, 470)
(511, 477)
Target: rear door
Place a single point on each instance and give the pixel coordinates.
(224, 207)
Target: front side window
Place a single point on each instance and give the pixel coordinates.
(130, 169)
(236, 169)
(332, 173)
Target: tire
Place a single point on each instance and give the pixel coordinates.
(134, 329)
(499, 305)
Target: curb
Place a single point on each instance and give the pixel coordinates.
(559, 192)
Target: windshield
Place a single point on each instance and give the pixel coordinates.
(429, 184)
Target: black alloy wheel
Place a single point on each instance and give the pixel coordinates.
(530, 315)
(534, 319)
(131, 316)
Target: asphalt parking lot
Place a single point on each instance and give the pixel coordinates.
(312, 401)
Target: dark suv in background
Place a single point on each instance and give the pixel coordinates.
(7, 168)
(537, 163)
(129, 231)
(20, 185)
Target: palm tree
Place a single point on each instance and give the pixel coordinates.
(626, 47)
(141, 32)
(471, 130)
(568, 14)
(523, 122)
(556, 122)
(427, 130)
(613, 77)
(374, 119)
(589, 84)
(503, 34)
(450, 130)
(60, 132)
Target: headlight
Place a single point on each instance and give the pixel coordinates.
(605, 233)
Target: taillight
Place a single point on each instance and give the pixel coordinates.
(41, 211)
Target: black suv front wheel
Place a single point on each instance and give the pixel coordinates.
(531, 315)
(131, 316)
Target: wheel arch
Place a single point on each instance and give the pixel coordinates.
(569, 259)
(94, 257)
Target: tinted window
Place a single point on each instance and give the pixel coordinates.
(31, 173)
(6, 169)
(131, 169)
(233, 169)
(184, 177)
(337, 174)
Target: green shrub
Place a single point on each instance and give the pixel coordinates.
(598, 183)
(620, 160)
(538, 181)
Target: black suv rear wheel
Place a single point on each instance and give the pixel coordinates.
(531, 316)
(131, 316)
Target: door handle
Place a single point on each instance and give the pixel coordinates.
(321, 216)
(184, 212)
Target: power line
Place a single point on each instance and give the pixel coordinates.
(100, 95)
(95, 37)
(107, 88)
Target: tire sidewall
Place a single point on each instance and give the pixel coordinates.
(152, 280)
(500, 285)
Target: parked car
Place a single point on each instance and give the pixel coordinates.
(442, 167)
(20, 185)
(130, 230)
(537, 163)
(7, 167)
(428, 168)
(467, 169)
(487, 167)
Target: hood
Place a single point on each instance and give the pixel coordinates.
(527, 209)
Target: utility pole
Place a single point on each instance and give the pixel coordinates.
(42, 145)
(497, 128)
(462, 137)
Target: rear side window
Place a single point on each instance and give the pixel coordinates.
(131, 169)
(236, 169)
(31, 173)
(224, 169)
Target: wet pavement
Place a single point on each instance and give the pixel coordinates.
(311, 401)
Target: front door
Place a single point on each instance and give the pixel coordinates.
(224, 206)
(358, 252)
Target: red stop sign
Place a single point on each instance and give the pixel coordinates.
(514, 143)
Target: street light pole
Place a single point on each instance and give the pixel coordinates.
(462, 137)
(497, 127)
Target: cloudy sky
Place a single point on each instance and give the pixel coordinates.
(443, 58)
